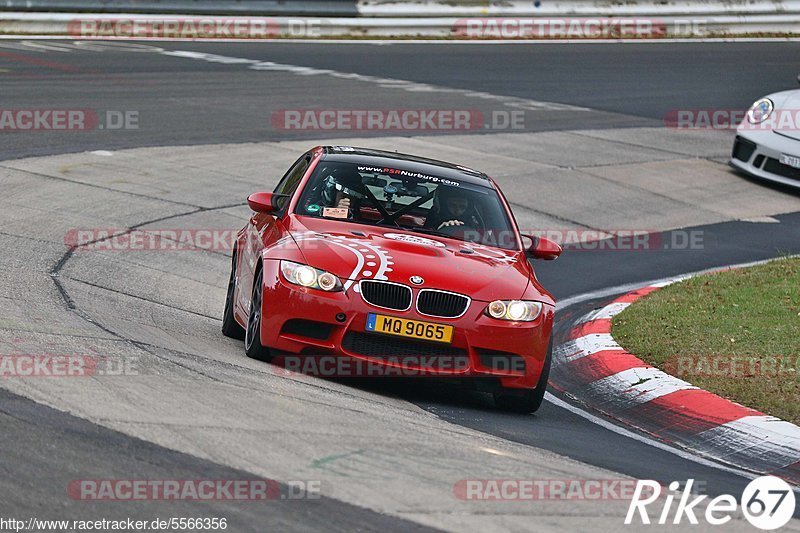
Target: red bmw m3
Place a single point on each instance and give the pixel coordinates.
(398, 261)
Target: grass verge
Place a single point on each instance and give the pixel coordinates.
(734, 333)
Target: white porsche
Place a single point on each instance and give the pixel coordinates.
(767, 144)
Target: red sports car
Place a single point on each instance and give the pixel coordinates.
(399, 263)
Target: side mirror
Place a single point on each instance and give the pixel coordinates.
(798, 78)
(261, 202)
(542, 248)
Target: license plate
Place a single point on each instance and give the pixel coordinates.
(790, 160)
(415, 329)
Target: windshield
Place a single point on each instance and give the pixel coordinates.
(397, 198)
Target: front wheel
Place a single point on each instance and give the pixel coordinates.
(252, 338)
(526, 400)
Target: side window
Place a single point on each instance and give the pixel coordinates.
(291, 180)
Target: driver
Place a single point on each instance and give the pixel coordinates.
(346, 193)
(337, 189)
(452, 208)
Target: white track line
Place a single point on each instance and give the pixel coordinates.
(619, 430)
(386, 83)
(558, 402)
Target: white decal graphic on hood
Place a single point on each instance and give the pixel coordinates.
(413, 238)
(371, 260)
(490, 253)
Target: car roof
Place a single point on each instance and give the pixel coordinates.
(380, 158)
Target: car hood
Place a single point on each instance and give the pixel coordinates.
(357, 251)
(787, 108)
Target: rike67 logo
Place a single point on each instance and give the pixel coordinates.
(767, 503)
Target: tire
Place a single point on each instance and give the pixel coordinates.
(526, 400)
(252, 337)
(231, 328)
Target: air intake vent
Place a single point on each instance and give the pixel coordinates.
(384, 346)
(774, 166)
(307, 328)
(743, 149)
(503, 361)
(385, 294)
(441, 303)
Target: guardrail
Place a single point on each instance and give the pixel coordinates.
(463, 19)
(574, 8)
(418, 9)
(320, 8)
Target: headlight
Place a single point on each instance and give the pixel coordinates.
(307, 276)
(760, 111)
(515, 310)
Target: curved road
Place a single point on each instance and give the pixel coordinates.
(592, 153)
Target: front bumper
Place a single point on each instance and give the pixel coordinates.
(758, 154)
(304, 321)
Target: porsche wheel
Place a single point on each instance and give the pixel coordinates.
(252, 338)
(526, 400)
(231, 328)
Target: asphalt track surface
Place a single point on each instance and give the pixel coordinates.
(183, 101)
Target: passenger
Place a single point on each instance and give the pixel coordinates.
(452, 208)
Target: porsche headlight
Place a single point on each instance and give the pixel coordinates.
(760, 111)
(307, 276)
(515, 310)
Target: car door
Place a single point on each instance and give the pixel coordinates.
(264, 229)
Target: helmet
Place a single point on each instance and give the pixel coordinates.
(444, 193)
(340, 181)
